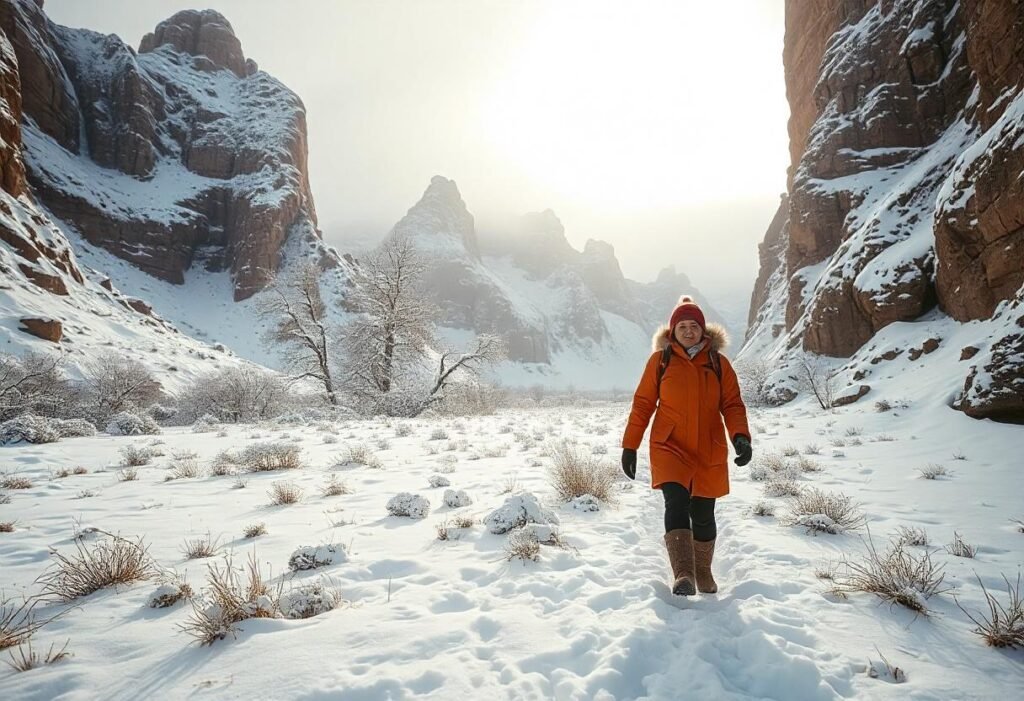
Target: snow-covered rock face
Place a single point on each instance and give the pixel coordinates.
(188, 149)
(904, 191)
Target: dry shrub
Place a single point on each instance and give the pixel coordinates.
(1004, 625)
(184, 468)
(173, 590)
(15, 482)
(334, 488)
(912, 535)
(234, 595)
(223, 465)
(17, 624)
(897, 576)
(510, 485)
(573, 474)
(826, 512)
(522, 545)
(403, 430)
(282, 493)
(198, 548)
(134, 456)
(80, 471)
(269, 456)
(361, 454)
(438, 434)
(255, 529)
(7, 526)
(960, 548)
(790, 451)
(763, 508)
(883, 405)
(26, 658)
(933, 471)
(782, 487)
(96, 565)
(5, 498)
(464, 521)
(806, 464)
(62, 473)
(128, 474)
(812, 449)
(826, 570)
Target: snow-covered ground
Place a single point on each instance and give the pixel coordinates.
(426, 618)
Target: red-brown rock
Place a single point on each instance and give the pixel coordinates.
(48, 329)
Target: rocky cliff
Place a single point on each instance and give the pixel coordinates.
(904, 197)
(182, 152)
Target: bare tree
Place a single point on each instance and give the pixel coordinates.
(754, 377)
(236, 394)
(114, 383)
(393, 324)
(486, 351)
(817, 377)
(33, 383)
(296, 310)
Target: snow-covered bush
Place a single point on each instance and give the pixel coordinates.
(205, 424)
(231, 599)
(522, 545)
(270, 455)
(169, 593)
(235, 394)
(126, 423)
(439, 481)
(309, 557)
(309, 599)
(516, 512)
(161, 413)
(134, 456)
(897, 576)
(74, 428)
(29, 428)
(825, 512)
(455, 498)
(411, 505)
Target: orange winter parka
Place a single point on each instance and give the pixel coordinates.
(689, 444)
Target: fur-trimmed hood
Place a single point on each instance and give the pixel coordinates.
(716, 335)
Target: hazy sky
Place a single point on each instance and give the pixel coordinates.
(659, 127)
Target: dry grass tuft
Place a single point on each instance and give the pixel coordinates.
(282, 493)
(17, 624)
(361, 454)
(763, 508)
(7, 526)
(255, 529)
(933, 471)
(234, 595)
(464, 521)
(897, 576)
(184, 468)
(911, 535)
(128, 474)
(170, 592)
(15, 482)
(96, 565)
(334, 488)
(80, 471)
(198, 548)
(782, 487)
(573, 474)
(27, 658)
(812, 449)
(510, 485)
(1004, 625)
(961, 548)
(522, 545)
(824, 512)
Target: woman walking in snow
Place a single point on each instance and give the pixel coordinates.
(689, 387)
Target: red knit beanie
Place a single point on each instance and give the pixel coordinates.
(686, 309)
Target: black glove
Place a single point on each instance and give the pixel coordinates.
(629, 462)
(743, 449)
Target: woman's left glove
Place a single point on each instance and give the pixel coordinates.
(743, 449)
(629, 462)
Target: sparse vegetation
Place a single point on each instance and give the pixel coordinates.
(128, 474)
(790, 451)
(94, 566)
(185, 468)
(897, 576)
(197, 548)
(763, 508)
(234, 595)
(7, 526)
(17, 623)
(269, 456)
(960, 548)
(25, 658)
(254, 529)
(1004, 625)
(782, 487)
(573, 474)
(812, 449)
(824, 512)
(334, 488)
(522, 545)
(933, 471)
(173, 590)
(15, 482)
(883, 405)
(911, 535)
(282, 493)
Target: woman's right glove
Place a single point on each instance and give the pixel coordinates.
(629, 462)
(743, 449)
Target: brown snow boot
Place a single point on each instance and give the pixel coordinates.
(680, 554)
(703, 554)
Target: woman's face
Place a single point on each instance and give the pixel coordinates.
(688, 333)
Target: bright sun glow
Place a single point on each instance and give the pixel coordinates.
(643, 107)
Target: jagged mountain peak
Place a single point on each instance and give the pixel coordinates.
(441, 219)
(201, 33)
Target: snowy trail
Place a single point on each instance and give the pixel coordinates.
(453, 619)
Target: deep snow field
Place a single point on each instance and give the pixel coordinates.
(590, 619)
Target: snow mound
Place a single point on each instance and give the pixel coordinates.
(28, 428)
(516, 512)
(439, 481)
(454, 498)
(310, 557)
(411, 505)
(129, 424)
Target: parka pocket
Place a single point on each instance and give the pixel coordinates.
(661, 430)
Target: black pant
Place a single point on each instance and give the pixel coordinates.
(682, 510)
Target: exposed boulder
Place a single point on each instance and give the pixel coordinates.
(47, 329)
